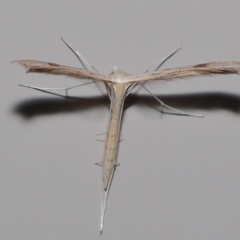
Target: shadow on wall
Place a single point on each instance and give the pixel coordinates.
(208, 101)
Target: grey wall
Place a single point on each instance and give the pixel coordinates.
(179, 176)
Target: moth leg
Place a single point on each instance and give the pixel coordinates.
(174, 109)
(82, 60)
(159, 64)
(56, 94)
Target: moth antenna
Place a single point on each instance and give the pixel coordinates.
(162, 61)
(174, 109)
(79, 56)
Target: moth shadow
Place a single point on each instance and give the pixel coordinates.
(208, 101)
(46, 106)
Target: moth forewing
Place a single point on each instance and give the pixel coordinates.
(204, 69)
(57, 69)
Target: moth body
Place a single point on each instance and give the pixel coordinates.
(109, 161)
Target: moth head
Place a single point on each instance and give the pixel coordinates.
(115, 69)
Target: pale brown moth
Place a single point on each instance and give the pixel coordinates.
(118, 85)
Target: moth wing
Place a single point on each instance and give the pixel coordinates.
(205, 69)
(52, 68)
